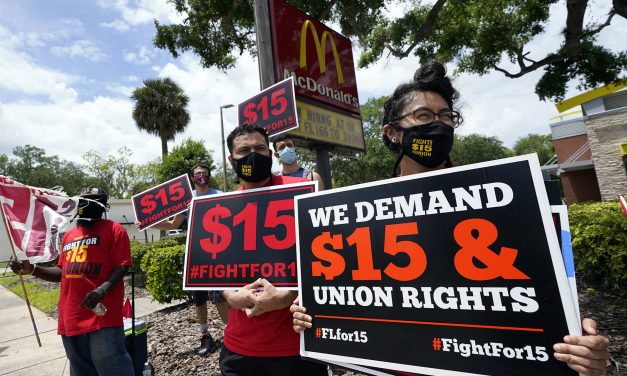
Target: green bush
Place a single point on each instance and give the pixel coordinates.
(139, 249)
(164, 268)
(599, 238)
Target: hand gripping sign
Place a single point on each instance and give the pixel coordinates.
(235, 238)
(162, 202)
(451, 272)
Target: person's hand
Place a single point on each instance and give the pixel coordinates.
(301, 320)
(270, 299)
(23, 267)
(242, 298)
(93, 297)
(136, 224)
(587, 354)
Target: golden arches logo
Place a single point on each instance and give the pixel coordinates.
(320, 49)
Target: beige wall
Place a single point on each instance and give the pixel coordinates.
(605, 134)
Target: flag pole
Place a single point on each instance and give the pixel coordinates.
(30, 311)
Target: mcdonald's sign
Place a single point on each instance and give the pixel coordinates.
(319, 59)
(320, 49)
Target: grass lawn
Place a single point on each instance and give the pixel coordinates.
(41, 294)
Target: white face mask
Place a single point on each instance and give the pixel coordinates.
(288, 155)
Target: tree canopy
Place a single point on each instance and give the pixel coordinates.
(542, 144)
(31, 166)
(182, 158)
(480, 36)
(161, 109)
(115, 173)
(475, 148)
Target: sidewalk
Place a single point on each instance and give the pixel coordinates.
(19, 353)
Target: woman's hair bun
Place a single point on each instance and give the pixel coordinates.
(429, 72)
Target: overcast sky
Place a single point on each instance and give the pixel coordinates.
(67, 69)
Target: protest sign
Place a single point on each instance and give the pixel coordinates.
(455, 271)
(237, 237)
(273, 108)
(560, 218)
(162, 202)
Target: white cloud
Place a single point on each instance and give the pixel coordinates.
(141, 57)
(19, 73)
(72, 22)
(71, 129)
(140, 12)
(36, 39)
(116, 24)
(121, 89)
(80, 48)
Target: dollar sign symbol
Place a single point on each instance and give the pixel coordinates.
(335, 260)
(221, 234)
(148, 203)
(250, 114)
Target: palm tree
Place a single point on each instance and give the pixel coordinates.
(161, 109)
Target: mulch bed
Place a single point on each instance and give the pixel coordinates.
(173, 335)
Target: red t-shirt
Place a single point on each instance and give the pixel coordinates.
(88, 257)
(269, 334)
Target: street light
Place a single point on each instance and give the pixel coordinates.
(223, 151)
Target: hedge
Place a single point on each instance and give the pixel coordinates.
(164, 267)
(599, 238)
(139, 250)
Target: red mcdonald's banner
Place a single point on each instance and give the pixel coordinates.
(318, 58)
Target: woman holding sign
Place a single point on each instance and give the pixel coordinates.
(419, 121)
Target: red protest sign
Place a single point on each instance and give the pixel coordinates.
(455, 271)
(235, 238)
(273, 108)
(162, 202)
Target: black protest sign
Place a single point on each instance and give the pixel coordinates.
(235, 238)
(273, 108)
(162, 202)
(562, 230)
(455, 271)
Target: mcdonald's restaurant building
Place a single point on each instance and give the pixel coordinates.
(591, 149)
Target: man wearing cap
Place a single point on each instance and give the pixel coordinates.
(94, 258)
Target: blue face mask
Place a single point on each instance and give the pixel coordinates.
(287, 155)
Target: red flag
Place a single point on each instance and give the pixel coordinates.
(623, 203)
(127, 309)
(34, 218)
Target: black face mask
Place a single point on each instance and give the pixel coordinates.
(427, 144)
(253, 167)
(89, 210)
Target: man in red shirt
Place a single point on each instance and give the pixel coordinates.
(258, 339)
(94, 258)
